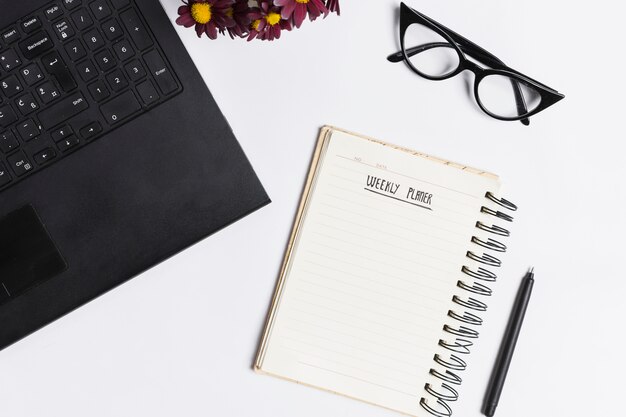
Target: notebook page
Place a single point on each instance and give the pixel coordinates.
(372, 272)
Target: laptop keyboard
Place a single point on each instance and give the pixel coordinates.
(70, 73)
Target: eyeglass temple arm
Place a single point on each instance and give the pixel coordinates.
(478, 54)
(397, 57)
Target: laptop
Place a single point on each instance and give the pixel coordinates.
(113, 154)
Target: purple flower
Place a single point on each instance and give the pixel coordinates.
(298, 9)
(208, 16)
(333, 6)
(240, 12)
(267, 22)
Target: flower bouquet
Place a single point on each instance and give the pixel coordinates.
(251, 19)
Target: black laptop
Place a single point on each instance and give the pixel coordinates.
(113, 154)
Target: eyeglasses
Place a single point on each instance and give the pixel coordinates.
(435, 52)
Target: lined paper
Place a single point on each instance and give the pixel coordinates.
(372, 272)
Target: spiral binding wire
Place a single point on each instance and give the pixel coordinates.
(452, 365)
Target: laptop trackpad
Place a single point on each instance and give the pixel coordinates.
(27, 254)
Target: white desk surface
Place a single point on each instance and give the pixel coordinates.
(180, 339)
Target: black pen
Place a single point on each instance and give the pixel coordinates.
(508, 344)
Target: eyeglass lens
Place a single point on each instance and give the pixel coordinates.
(497, 94)
(429, 52)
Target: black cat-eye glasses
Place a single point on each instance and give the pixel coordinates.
(435, 52)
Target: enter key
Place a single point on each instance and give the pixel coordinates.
(160, 72)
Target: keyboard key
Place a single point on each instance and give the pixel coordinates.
(28, 130)
(48, 92)
(19, 163)
(63, 29)
(9, 60)
(99, 91)
(44, 156)
(31, 24)
(63, 110)
(54, 65)
(53, 11)
(137, 30)
(32, 74)
(105, 60)
(82, 19)
(100, 9)
(10, 36)
(91, 130)
(7, 116)
(93, 39)
(26, 104)
(148, 93)
(11, 86)
(135, 70)
(75, 50)
(36, 45)
(112, 29)
(8, 142)
(120, 107)
(61, 133)
(123, 50)
(87, 70)
(71, 4)
(160, 72)
(117, 81)
(118, 4)
(5, 178)
(68, 143)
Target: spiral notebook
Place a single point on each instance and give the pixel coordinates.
(385, 275)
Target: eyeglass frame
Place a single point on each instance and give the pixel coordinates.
(462, 46)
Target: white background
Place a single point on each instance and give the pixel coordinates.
(180, 339)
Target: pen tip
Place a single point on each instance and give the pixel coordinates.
(532, 270)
